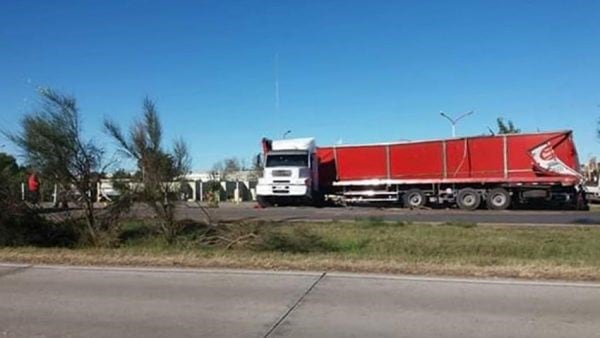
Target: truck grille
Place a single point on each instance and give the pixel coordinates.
(282, 173)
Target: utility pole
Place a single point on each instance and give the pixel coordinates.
(277, 83)
(454, 121)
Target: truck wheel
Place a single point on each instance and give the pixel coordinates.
(582, 201)
(263, 201)
(468, 199)
(414, 198)
(498, 199)
(318, 200)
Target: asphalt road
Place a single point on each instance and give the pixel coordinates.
(93, 302)
(248, 211)
(231, 211)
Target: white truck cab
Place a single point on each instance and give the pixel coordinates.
(290, 172)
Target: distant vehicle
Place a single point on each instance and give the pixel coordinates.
(496, 171)
(592, 191)
(107, 190)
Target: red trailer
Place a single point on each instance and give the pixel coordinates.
(497, 170)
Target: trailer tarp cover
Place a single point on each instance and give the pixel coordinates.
(515, 158)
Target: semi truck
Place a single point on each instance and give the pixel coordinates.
(496, 171)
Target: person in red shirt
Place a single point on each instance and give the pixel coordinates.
(33, 186)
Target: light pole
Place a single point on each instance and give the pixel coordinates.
(455, 121)
(286, 134)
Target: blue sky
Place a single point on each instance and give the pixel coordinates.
(359, 71)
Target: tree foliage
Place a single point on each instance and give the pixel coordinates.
(11, 175)
(8, 164)
(506, 127)
(8, 168)
(159, 168)
(52, 141)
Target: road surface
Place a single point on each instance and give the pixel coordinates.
(540, 217)
(129, 302)
(248, 211)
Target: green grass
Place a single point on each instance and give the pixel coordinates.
(364, 245)
(467, 243)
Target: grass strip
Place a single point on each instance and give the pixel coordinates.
(453, 249)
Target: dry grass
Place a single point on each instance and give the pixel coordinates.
(321, 262)
(367, 246)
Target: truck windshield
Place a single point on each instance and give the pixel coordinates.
(289, 160)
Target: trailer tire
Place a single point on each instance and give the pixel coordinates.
(468, 199)
(498, 199)
(318, 200)
(263, 201)
(414, 198)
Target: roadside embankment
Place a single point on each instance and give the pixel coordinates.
(365, 245)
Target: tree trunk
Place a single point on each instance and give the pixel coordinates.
(91, 220)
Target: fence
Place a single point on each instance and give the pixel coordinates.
(194, 190)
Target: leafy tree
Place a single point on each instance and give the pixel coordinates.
(506, 127)
(53, 143)
(8, 164)
(21, 225)
(8, 169)
(159, 167)
(11, 174)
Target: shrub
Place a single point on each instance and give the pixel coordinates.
(19, 225)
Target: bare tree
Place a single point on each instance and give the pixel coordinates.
(52, 141)
(227, 167)
(230, 166)
(159, 167)
(257, 166)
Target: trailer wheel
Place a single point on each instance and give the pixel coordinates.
(414, 198)
(468, 199)
(498, 199)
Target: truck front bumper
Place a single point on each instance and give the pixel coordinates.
(282, 189)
